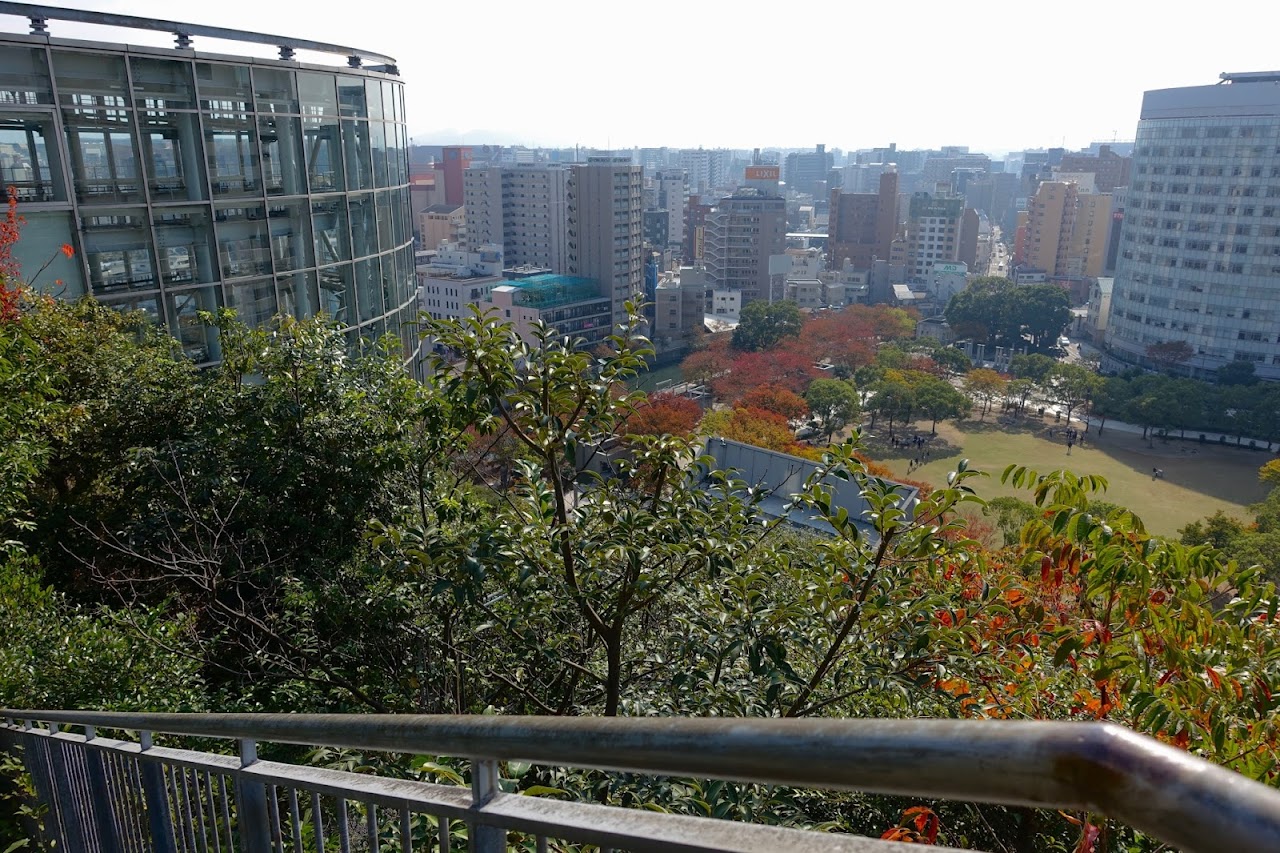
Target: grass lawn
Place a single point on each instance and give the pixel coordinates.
(1195, 484)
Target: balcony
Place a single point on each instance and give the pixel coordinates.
(107, 794)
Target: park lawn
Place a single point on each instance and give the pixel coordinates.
(1195, 485)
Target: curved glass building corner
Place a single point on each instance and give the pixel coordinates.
(187, 182)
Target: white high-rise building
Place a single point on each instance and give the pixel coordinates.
(672, 199)
(1200, 248)
(606, 240)
(522, 208)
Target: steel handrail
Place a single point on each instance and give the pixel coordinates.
(111, 19)
(1169, 794)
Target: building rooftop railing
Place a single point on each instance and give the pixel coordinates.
(105, 794)
(39, 16)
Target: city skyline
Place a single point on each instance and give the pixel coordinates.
(570, 75)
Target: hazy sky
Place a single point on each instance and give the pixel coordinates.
(995, 76)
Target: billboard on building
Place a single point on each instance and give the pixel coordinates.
(764, 173)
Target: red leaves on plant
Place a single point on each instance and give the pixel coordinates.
(919, 825)
(68, 250)
(1088, 839)
(1046, 565)
(926, 822)
(1213, 677)
(1158, 597)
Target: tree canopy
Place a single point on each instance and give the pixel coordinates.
(762, 325)
(998, 311)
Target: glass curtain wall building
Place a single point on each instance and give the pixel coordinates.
(187, 182)
(1200, 248)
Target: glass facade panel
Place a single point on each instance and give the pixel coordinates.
(284, 171)
(324, 154)
(298, 296)
(373, 99)
(338, 294)
(396, 219)
(148, 305)
(317, 94)
(198, 341)
(231, 147)
(351, 97)
(224, 88)
(355, 146)
(289, 223)
(378, 145)
(43, 237)
(162, 84)
(185, 244)
(389, 273)
(90, 79)
(243, 247)
(254, 301)
(364, 226)
(29, 157)
(172, 155)
(389, 110)
(274, 90)
(117, 249)
(24, 77)
(369, 288)
(333, 240)
(386, 224)
(104, 158)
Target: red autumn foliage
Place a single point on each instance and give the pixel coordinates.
(783, 367)
(664, 414)
(10, 230)
(776, 399)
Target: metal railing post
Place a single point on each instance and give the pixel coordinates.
(159, 820)
(251, 800)
(68, 807)
(35, 749)
(484, 787)
(104, 813)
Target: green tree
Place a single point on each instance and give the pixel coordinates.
(834, 402)
(937, 400)
(1071, 386)
(605, 556)
(895, 401)
(1018, 392)
(985, 386)
(763, 324)
(1237, 373)
(1034, 366)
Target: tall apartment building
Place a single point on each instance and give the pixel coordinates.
(454, 162)
(806, 171)
(1110, 170)
(861, 226)
(706, 168)
(606, 239)
(1200, 251)
(742, 231)
(524, 209)
(933, 232)
(671, 198)
(695, 221)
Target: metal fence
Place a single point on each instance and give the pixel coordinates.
(118, 796)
